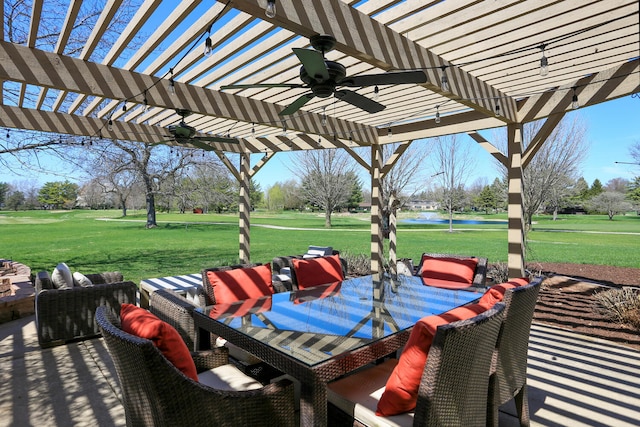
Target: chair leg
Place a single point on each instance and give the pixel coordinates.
(492, 403)
(522, 406)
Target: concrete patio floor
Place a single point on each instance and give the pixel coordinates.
(574, 380)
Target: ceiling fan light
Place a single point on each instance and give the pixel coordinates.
(270, 10)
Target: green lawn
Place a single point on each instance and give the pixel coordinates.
(93, 241)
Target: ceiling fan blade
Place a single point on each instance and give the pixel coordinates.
(313, 63)
(360, 101)
(394, 78)
(262, 85)
(215, 139)
(198, 144)
(295, 105)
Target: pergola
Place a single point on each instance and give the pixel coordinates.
(489, 53)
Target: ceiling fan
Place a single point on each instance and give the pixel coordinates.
(322, 77)
(183, 134)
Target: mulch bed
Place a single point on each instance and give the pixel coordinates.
(566, 300)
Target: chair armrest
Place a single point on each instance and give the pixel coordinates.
(176, 311)
(480, 278)
(107, 277)
(205, 360)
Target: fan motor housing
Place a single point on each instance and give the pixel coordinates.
(324, 89)
(183, 130)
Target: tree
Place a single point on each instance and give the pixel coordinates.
(596, 188)
(327, 179)
(633, 193)
(453, 163)
(487, 200)
(610, 202)
(15, 200)
(356, 194)
(55, 195)
(634, 151)
(619, 185)
(255, 194)
(4, 189)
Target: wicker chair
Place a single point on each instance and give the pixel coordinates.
(155, 393)
(480, 276)
(63, 315)
(455, 381)
(509, 371)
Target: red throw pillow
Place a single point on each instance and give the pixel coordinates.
(240, 284)
(401, 391)
(495, 294)
(447, 272)
(139, 322)
(239, 309)
(317, 271)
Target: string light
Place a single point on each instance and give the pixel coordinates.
(376, 93)
(544, 62)
(284, 127)
(124, 106)
(110, 125)
(497, 109)
(269, 7)
(437, 114)
(253, 129)
(574, 99)
(444, 80)
(324, 117)
(208, 46)
(389, 132)
(172, 86)
(146, 103)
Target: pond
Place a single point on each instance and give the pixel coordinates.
(432, 218)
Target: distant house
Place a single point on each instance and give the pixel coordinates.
(422, 205)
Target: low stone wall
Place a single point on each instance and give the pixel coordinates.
(17, 298)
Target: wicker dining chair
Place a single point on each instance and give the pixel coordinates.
(156, 393)
(509, 371)
(454, 386)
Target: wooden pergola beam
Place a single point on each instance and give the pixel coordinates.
(37, 67)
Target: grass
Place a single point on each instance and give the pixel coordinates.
(94, 241)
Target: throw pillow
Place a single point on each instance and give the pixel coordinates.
(495, 294)
(61, 276)
(401, 391)
(317, 271)
(240, 284)
(144, 324)
(448, 271)
(80, 279)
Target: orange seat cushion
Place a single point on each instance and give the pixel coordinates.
(240, 284)
(317, 271)
(495, 293)
(448, 272)
(144, 324)
(401, 391)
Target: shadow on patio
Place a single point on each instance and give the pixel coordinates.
(573, 380)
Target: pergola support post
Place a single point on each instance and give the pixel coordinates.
(516, 231)
(377, 244)
(244, 207)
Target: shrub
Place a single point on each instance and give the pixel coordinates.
(357, 264)
(622, 305)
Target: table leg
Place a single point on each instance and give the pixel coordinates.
(313, 404)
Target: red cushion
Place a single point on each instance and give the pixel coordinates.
(495, 294)
(401, 391)
(317, 292)
(448, 272)
(239, 309)
(139, 322)
(317, 271)
(240, 284)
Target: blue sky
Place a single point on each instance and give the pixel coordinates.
(612, 128)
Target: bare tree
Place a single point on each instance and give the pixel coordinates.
(327, 178)
(454, 162)
(557, 163)
(611, 203)
(634, 150)
(400, 183)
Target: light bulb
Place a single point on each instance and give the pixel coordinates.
(497, 110)
(110, 125)
(208, 48)
(172, 86)
(324, 117)
(544, 62)
(444, 80)
(389, 132)
(437, 114)
(270, 10)
(574, 100)
(376, 93)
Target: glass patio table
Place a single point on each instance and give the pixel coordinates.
(319, 334)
